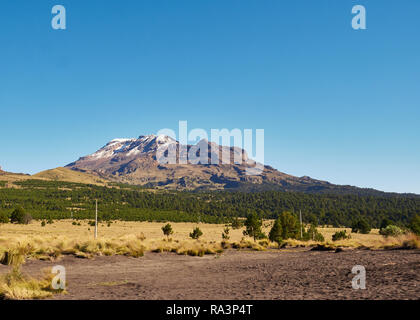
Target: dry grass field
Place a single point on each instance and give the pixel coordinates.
(151, 231)
(52, 242)
(149, 234)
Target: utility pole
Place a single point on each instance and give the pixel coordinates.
(301, 232)
(96, 220)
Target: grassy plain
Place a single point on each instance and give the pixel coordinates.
(150, 236)
(53, 241)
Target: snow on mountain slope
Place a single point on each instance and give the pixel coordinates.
(135, 161)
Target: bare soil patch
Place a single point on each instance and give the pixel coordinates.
(285, 274)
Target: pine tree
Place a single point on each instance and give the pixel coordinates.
(276, 232)
(20, 217)
(290, 225)
(415, 225)
(253, 226)
(361, 226)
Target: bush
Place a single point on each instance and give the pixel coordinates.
(167, 230)
(43, 223)
(391, 231)
(313, 234)
(225, 233)
(415, 225)
(340, 235)
(197, 233)
(19, 216)
(4, 217)
(385, 223)
(263, 243)
(361, 226)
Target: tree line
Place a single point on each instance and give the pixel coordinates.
(62, 200)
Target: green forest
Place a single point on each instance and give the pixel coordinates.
(63, 200)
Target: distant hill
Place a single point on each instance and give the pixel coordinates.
(65, 174)
(9, 177)
(57, 174)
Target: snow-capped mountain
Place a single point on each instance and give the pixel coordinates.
(131, 147)
(137, 161)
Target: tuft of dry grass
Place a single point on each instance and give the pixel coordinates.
(112, 283)
(407, 241)
(187, 247)
(248, 245)
(51, 248)
(16, 286)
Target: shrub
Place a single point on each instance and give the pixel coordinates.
(415, 225)
(385, 223)
(323, 247)
(253, 226)
(262, 235)
(167, 230)
(43, 223)
(313, 234)
(391, 231)
(361, 226)
(340, 235)
(225, 233)
(263, 243)
(19, 216)
(197, 233)
(4, 217)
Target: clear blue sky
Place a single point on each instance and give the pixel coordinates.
(336, 104)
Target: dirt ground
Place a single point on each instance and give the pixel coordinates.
(286, 274)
